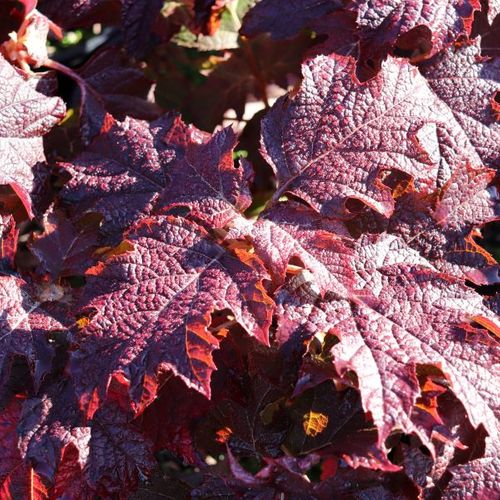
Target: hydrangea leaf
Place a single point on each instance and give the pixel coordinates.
(8, 241)
(284, 20)
(135, 167)
(17, 480)
(335, 138)
(64, 249)
(25, 116)
(441, 227)
(138, 17)
(468, 83)
(28, 314)
(392, 321)
(151, 308)
(334, 422)
(478, 478)
(80, 13)
(421, 27)
(290, 230)
(107, 455)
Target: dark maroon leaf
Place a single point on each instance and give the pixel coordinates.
(324, 418)
(285, 19)
(364, 483)
(8, 241)
(64, 249)
(250, 420)
(382, 339)
(17, 480)
(107, 456)
(172, 280)
(136, 166)
(25, 116)
(353, 132)
(119, 455)
(138, 17)
(28, 314)
(170, 420)
(48, 425)
(123, 87)
(109, 83)
(80, 13)
(441, 227)
(420, 28)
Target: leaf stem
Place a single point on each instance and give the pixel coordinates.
(255, 68)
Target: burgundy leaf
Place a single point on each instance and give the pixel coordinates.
(108, 455)
(450, 74)
(26, 318)
(420, 27)
(249, 419)
(332, 141)
(80, 13)
(64, 249)
(219, 189)
(441, 227)
(279, 478)
(25, 116)
(285, 19)
(49, 425)
(391, 321)
(119, 455)
(170, 420)
(138, 17)
(14, 473)
(17, 479)
(324, 418)
(289, 231)
(478, 478)
(109, 83)
(364, 483)
(122, 86)
(136, 166)
(160, 297)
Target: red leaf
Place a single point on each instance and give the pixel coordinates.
(162, 293)
(478, 478)
(391, 321)
(441, 227)
(419, 28)
(17, 479)
(450, 74)
(289, 231)
(8, 240)
(285, 19)
(346, 432)
(332, 141)
(64, 249)
(27, 316)
(25, 116)
(136, 166)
